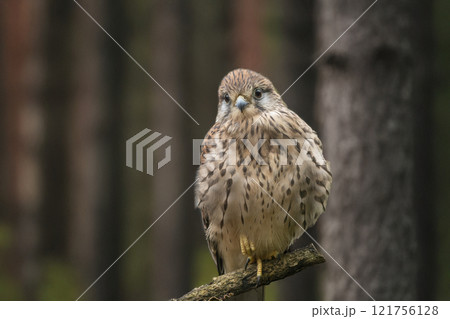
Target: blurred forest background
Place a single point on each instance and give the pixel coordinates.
(70, 98)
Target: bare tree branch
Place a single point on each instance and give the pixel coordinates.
(240, 281)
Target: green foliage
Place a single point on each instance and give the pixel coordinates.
(272, 291)
(5, 237)
(204, 268)
(9, 288)
(59, 282)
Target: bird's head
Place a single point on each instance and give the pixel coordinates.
(244, 93)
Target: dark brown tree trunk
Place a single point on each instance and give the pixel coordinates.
(170, 271)
(89, 185)
(372, 88)
(207, 62)
(441, 140)
(111, 214)
(22, 26)
(246, 49)
(425, 191)
(297, 55)
(134, 269)
(56, 100)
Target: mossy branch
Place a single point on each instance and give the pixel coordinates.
(240, 281)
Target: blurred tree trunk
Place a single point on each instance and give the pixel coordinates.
(88, 164)
(373, 90)
(298, 45)
(22, 26)
(56, 99)
(207, 62)
(424, 172)
(111, 226)
(441, 140)
(136, 104)
(170, 273)
(298, 54)
(246, 37)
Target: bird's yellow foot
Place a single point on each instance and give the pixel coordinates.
(272, 255)
(247, 249)
(258, 271)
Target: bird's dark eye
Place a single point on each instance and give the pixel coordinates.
(226, 98)
(257, 93)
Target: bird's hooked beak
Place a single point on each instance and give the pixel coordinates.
(241, 103)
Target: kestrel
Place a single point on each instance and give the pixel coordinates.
(262, 180)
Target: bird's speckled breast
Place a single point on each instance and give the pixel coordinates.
(270, 203)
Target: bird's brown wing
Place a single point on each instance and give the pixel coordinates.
(212, 244)
(210, 135)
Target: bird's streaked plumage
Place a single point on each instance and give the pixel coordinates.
(237, 192)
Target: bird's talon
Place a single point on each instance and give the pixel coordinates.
(258, 281)
(246, 263)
